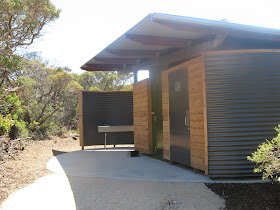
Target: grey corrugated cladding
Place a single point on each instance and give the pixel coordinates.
(243, 107)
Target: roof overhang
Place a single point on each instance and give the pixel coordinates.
(159, 34)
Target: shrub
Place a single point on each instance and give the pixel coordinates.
(11, 114)
(5, 124)
(267, 157)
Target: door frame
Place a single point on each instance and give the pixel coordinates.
(165, 113)
(165, 108)
(185, 148)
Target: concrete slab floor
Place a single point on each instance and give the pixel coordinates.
(116, 164)
(111, 179)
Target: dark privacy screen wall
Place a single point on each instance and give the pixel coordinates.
(107, 108)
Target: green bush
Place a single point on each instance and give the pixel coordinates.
(21, 126)
(267, 157)
(5, 124)
(11, 114)
(13, 105)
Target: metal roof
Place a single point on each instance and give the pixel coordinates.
(157, 33)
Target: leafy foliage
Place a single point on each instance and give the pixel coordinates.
(48, 93)
(11, 108)
(21, 21)
(45, 100)
(36, 99)
(9, 68)
(267, 157)
(106, 80)
(5, 124)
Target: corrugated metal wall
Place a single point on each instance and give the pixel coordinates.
(107, 108)
(243, 107)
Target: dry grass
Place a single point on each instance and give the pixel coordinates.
(30, 164)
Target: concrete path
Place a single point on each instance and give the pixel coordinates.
(116, 164)
(86, 180)
(59, 192)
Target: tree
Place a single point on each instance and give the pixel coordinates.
(105, 80)
(9, 68)
(50, 97)
(267, 157)
(21, 22)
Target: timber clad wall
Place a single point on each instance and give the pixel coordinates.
(142, 116)
(196, 104)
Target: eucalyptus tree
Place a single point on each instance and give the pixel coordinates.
(106, 80)
(22, 21)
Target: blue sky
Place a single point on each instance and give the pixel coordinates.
(85, 27)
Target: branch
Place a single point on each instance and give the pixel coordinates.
(44, 107)
(46, 104)
(41, 98)
(47, 117)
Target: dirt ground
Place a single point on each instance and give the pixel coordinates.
(249, 196)
(30, 164)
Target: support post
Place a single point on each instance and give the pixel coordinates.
(135, 72)
(81, 121)
(157, 120)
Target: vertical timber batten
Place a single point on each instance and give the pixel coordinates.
(205, 115)
(81, 119)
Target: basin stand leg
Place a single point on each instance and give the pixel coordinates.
(83, 147)
(105, 141)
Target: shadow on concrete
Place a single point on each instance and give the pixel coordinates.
(57, 152)
(110, 177)
(118, 164)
